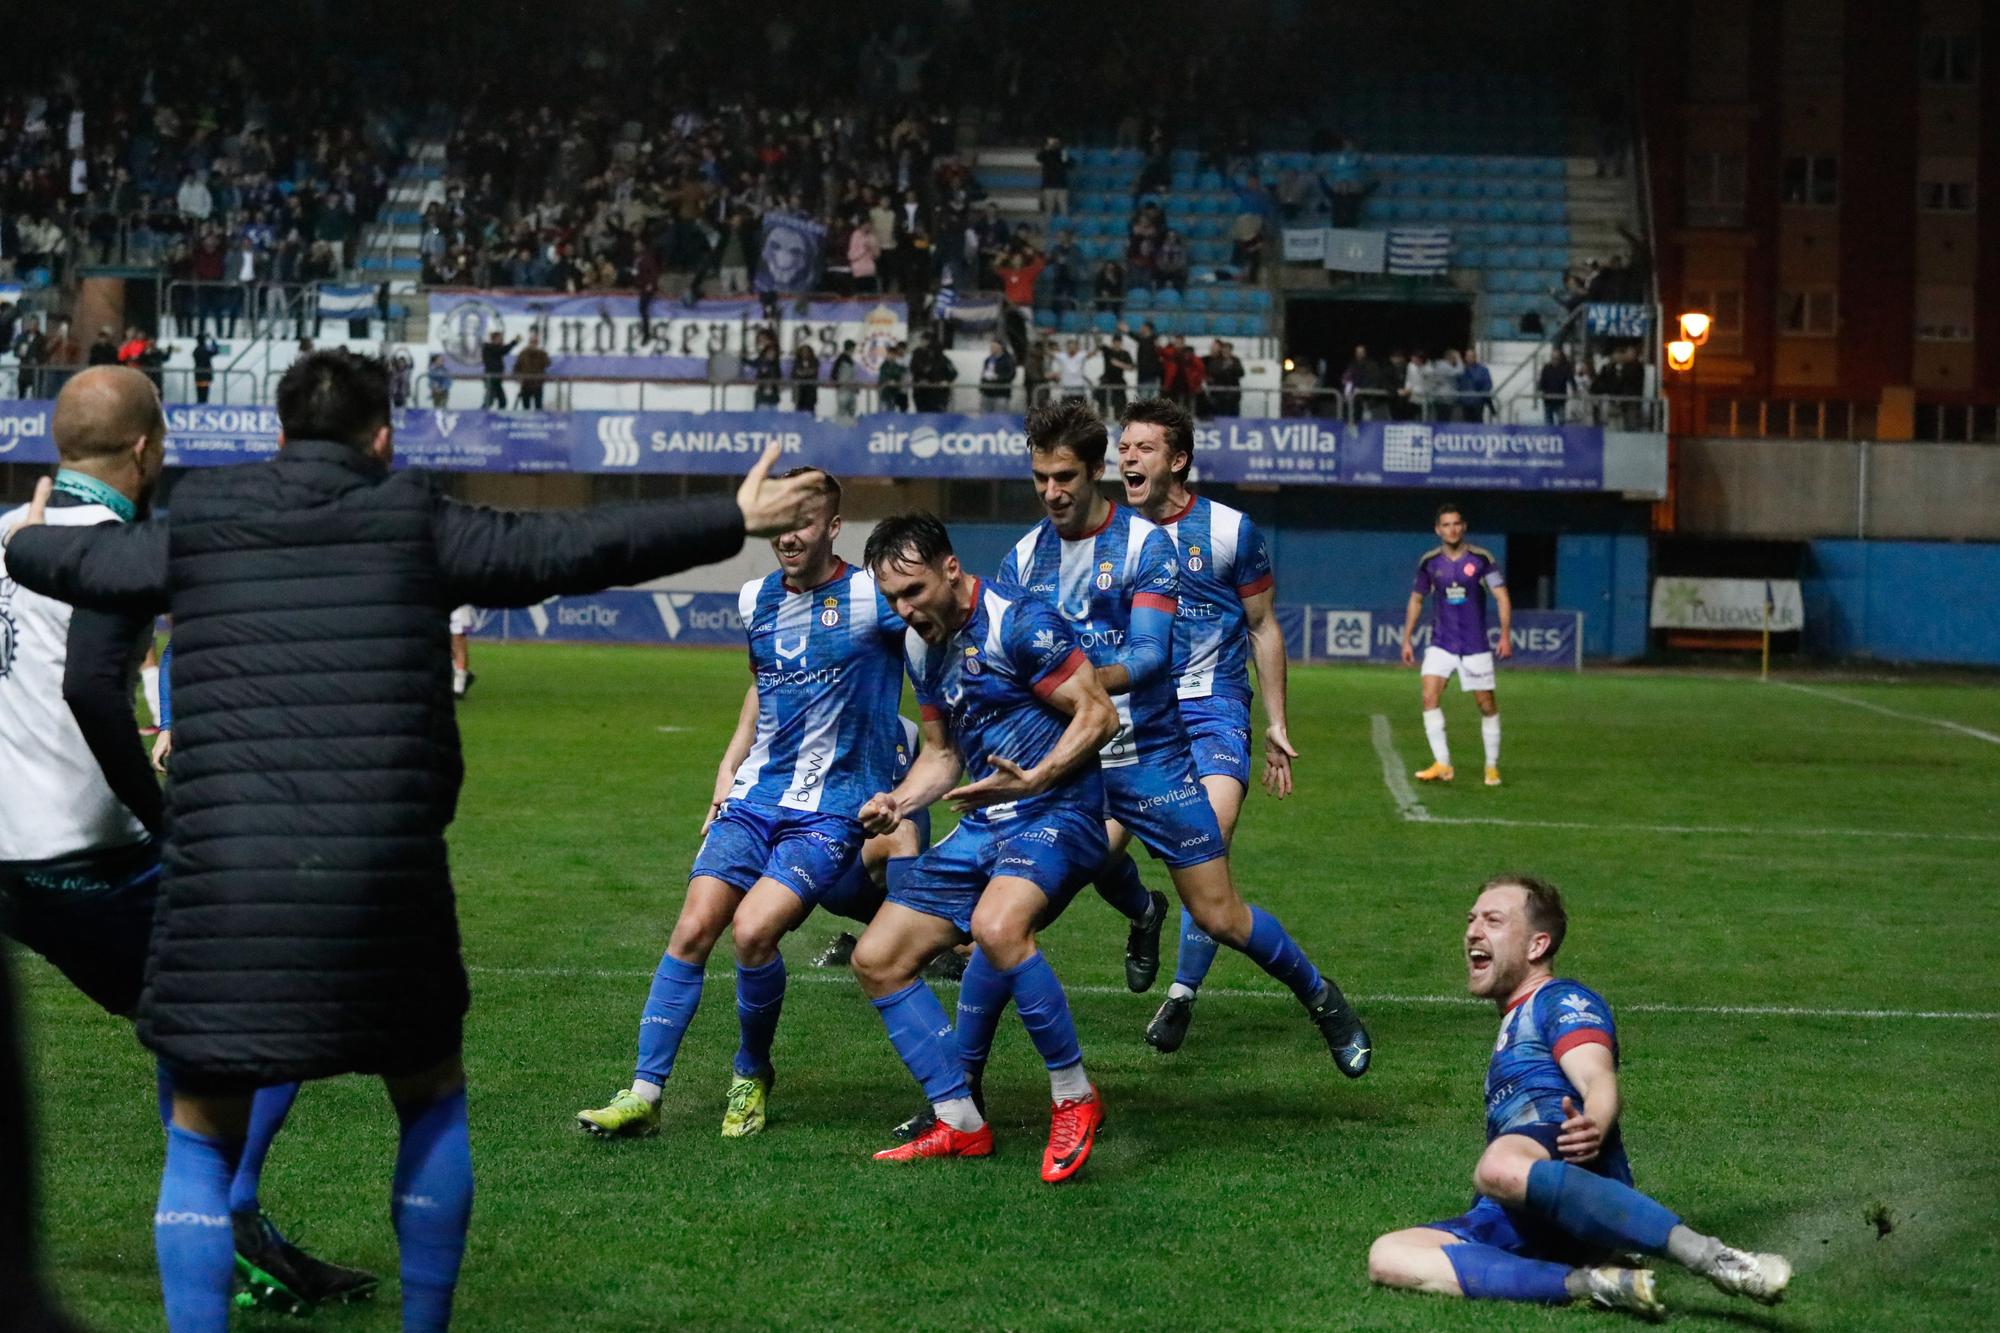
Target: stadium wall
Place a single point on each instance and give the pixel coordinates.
(1902, 601)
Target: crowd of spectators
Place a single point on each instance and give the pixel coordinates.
(191, 143)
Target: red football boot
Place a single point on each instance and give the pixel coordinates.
(941, 1140)
(1073, 1127)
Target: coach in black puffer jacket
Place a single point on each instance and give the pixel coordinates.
(307, 926)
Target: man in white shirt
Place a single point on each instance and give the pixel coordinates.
(1070, 364)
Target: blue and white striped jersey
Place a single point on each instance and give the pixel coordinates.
(828, 666)
(1223, 561)
(988, 684)
(1095, 580)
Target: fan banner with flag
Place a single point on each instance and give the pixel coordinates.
(1350, 251)
(345, 301)
(1419, 251)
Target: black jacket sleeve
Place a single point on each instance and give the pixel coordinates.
(115, 567)
(493, 557)
(97, 686)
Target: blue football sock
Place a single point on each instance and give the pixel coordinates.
(1598, 1209)
(1118, 883)
(921, 1033)
(1488, 1273)
(670, 1007)
(1277, 953)
(983, 993)
(760, 997)
(1197, 954)
(431, 1207)
(267, 1112)
(1045, 1010)
(191, 1233)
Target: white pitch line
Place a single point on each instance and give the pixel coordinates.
(1414, 812)
(1393, 775)
(1989, 737)
(831, 977)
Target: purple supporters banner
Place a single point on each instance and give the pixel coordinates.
(600, 335)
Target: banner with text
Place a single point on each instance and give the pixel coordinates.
(600, 334)
(709, 619)
(889, 444)
(1728, 604)
(1539, 638)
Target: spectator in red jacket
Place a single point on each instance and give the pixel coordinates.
(1018, 270)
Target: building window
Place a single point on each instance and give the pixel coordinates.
(1950, 58)
(1811, 182)
(1806, 314)
(1944, 314)
(1715, 190)
(1724, 308)
(1939, 196)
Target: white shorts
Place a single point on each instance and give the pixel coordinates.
(1475, 670)
(461, 621)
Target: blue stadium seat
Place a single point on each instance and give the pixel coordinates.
(1166, 299)
(1256, 326)
(1104, 322)
(1185, 159)
(1468, 256)
(1209, 180)
(1226, 326)
(1139, 298)
(1228, 297)
(1071, 321)
(1198, 298)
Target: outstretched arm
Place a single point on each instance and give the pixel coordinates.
(496, 558)
(1093, 720)
(116, 567)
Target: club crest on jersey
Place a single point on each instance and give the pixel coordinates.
(1194, 559)
(1044, 640)
(831, 616)
(1104, 579)
(1470, 569)
(972, 661)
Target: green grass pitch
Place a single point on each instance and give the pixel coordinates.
(1770, 885)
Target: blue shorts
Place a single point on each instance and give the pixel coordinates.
(1218, 732)
(808, 853)
(1059, 850)
(1517, 1232)
(857, 895)
(1171, 815)
(90, 916)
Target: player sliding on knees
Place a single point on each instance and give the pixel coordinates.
(1223, 621)
(1116, 577)
(1011, 701)
(1458, 575)
(1555, 1192)
(816, 737)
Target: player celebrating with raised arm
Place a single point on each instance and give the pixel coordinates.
(1009, 700)
(1554, 1188)
(1116, 577)
(1459, 576)
(781, 835)
(1223, 620)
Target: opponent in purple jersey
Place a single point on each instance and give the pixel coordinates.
(1117, 578)
(1555, 1192)
(1223, 621)
(1458, 576)
(782, 830)
(1010, 700)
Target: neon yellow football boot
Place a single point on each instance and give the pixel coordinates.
(629, 1116)
(747, 1104)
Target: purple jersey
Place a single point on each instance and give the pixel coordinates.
(1458, 624)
